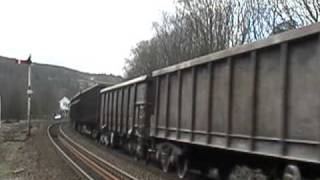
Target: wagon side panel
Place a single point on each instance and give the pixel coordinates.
(302, 134)
(186, 105)
(173, 106)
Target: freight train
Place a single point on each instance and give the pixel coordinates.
(257, 104)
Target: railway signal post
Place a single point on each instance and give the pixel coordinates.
(29, 93)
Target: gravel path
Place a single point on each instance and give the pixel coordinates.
(30, 159)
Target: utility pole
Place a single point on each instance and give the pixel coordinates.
(29, 93)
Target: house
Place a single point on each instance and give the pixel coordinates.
(64, 104)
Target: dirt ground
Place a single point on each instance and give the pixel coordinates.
(32, 158)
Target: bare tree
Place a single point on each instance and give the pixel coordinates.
(199, 27)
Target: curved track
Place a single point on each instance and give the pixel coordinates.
(85, 163)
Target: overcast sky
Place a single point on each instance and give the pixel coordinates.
(88, 35)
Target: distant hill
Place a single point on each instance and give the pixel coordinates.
(50, 83)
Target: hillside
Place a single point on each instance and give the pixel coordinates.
(49, 83)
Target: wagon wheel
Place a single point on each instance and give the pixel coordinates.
(148, 158)
(131, 147)
(165, 162)
(78, 128)
(182, 166)
(81, 130)
(101, 140)
(138, 152)
(98, 138)
(94, 134)
(292, 172)
(126, 146)
(106, 140)
(112, 140)
(121, 142)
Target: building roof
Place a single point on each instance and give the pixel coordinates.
(64, 99)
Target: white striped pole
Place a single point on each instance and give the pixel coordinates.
(29, 92)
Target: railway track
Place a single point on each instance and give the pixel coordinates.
(85, 163)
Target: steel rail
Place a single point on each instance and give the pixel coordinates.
(97, 158)
(66, 157)
(91, 164)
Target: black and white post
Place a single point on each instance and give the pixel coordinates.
(29, 93)
(29, 90)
